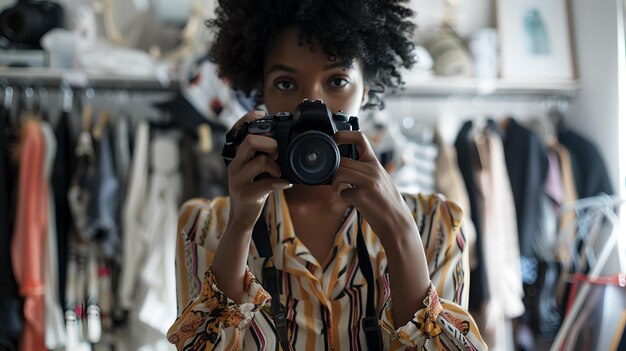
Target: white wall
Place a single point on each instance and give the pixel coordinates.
(595, 112)
(622, 99)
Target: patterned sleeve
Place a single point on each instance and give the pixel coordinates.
(201, 224)
(443, 324)
(210, 320)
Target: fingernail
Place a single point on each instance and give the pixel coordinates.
(289, 186)
(259, 113)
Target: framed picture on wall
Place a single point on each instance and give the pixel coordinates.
(535, 41)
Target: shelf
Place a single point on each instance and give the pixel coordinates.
(446, 87)
(48, 77)
(415, 88)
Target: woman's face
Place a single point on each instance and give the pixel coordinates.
(293, 73)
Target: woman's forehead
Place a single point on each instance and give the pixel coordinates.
(289, 51)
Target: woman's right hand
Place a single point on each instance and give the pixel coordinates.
(255, 155)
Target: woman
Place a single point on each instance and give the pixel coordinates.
(342, 52)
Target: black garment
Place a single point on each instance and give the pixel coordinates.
(527, 165)
(589, 169)
(60, 180)
(11, 317)
(467, 157)
(205, 174)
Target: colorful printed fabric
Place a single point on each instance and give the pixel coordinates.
(325, 302)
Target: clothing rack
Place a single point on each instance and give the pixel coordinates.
(76, 79)
(494, 89)
(41, 88)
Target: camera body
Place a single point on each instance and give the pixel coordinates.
(25, 23)
(307, 153)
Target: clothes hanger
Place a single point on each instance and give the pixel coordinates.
(67, 96)
(84, 145)
(42, 105)
(87, 110)
(556, 114)
(206, 138)
(7, 96)
(606, 205)
(103, 122)
(27, 105)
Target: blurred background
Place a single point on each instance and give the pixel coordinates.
(111, 117)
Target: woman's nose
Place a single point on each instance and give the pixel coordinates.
(313, 92)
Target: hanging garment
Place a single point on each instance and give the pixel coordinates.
(449, 182)
(11, 318)
(448, 178)
(570, 194)
(84, 185)
(29, 237)
(149, 220)
(93, 332)
(552, 281)
(54, 323)
(467, 157)
(64, 168)
(417, 174)
(154, 305)
(589, 168)
(527, 165)
(74, 305)
(204, 171)
(500, 242)
(133, 207)
(102, 214)
(121, 141)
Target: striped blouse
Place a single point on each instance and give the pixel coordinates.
(324, 302)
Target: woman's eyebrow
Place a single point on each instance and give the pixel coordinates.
(281, 68)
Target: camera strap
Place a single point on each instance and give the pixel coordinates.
(370, 322)
(261, 238)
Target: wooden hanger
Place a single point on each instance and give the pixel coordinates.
(87, 111)
(206, 138)
(103, 122)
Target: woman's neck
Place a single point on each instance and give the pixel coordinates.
(303, 199)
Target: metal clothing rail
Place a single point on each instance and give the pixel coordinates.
(443, 87)
(76, 79)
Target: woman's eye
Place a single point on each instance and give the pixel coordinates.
(338, 82)
(285, 85)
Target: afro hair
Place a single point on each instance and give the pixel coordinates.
(376, 31)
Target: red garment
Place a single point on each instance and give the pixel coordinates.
(29, 238)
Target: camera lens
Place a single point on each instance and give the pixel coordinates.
(313, 158)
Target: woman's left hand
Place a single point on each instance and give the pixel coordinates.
(373, 192)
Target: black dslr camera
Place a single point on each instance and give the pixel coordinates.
(307, 153)
(25, 23)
